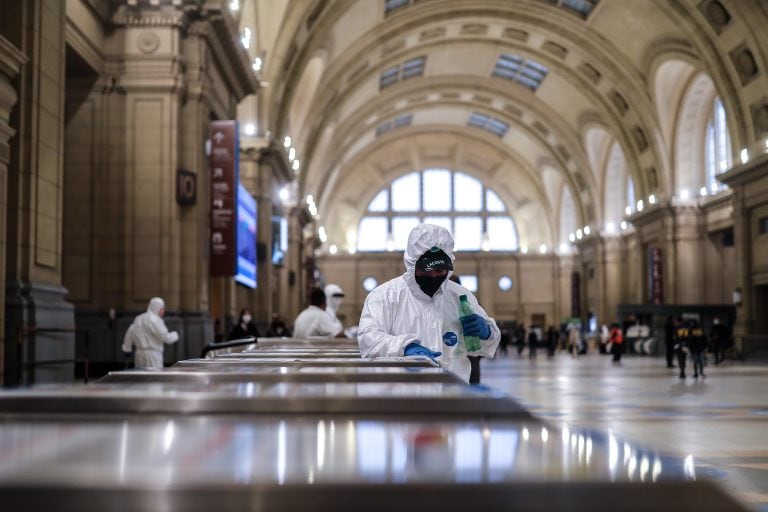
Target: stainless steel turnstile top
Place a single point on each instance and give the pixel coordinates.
(298, 354)
(292, 463)
(276, 450)
(285, 374)
(399, 362)
(264, 398)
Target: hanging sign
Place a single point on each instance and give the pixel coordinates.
(224, 178)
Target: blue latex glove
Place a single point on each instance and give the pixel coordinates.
(414, 349)
(475, 325)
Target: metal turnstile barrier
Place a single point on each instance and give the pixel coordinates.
(287, 424)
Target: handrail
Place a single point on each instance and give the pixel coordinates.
(23, 331)
(228, 344)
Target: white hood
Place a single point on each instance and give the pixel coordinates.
(332, 303)
(423, 238)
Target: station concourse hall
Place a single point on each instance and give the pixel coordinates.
(594, 174)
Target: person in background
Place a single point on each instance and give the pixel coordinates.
(616, 339)
(681, 345)
(505, 336)
(244, 328)
(277, 328)
(697, 343)
(605, 335)
(719, 337)
(574, 340)
(314, 321)
(533, 343)
(520, 339)
(148, 335)
(418, 312)
(333, 296)
(553, 338)
(669, 340)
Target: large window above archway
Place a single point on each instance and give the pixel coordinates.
(473, 213)
(717, 154)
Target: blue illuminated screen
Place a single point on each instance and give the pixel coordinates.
(246, 238)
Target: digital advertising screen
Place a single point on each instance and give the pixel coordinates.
(279, 239)
(246, 238)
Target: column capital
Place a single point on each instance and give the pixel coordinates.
(11, 59)
(274, 156)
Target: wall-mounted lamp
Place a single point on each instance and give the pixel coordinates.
(744, 156)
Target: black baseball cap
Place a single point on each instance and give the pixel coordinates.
(434, 260)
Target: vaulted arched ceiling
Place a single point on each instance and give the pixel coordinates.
(324, 68)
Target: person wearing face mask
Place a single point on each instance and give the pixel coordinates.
(418, 312)
(148, 335)
(245, 328)
(333, 296)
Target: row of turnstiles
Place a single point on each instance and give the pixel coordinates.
(306, 424)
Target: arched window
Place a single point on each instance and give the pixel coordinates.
(630, 195)
(473, 213)
(717, 155)
(615, 175)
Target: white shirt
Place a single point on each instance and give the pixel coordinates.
(148, 334)
(314, 321)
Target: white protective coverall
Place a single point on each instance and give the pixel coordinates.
(332, 304)
(148, 334)
(398, 312)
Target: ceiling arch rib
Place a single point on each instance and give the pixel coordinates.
(306, 88)
(688, 143)
(387, 97)
(378, 37)
(523, 138)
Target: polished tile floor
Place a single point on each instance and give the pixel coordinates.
(721, 420)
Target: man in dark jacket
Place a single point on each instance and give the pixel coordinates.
(681, 345)
(697, 343)
(719, 337)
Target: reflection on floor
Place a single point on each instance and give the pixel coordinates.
(721, 420)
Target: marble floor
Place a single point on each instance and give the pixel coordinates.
(721, 420)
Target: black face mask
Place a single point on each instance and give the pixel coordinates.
(430, 285)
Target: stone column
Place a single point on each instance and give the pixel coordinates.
(262, 306)
(689, 269)
(274, 173)
(11, 60)
(144, 50)
(742, 236)
(35, 297)
(610, 263)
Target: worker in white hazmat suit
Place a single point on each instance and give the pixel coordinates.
(333, 296)
(418, 312)
(148, 335)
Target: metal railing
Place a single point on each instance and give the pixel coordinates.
(30, 366)
(226, 344)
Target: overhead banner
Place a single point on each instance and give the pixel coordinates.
(657, 276)
(224, 167)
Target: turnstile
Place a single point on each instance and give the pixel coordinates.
(306, 424)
